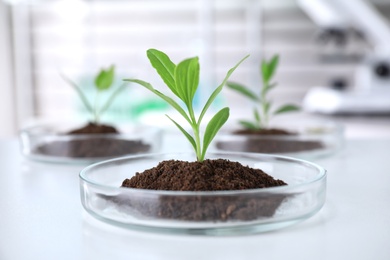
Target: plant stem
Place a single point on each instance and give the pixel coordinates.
(195, 129)
(80, 93)
(95, 111)
(111, 99)
(264, 108)
(198, 143)
(257, 116)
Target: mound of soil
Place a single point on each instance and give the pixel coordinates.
(265, 131)
(264, 145)
(92, 128)
(209, 175)
(100, 146)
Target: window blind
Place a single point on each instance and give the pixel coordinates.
(79, 37)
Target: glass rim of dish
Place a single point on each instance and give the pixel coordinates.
(321, 174)
(331, 127)
(35, 130)
(49, 133)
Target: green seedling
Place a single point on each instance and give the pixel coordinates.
(263, 112)
(183, 80)
(103, 81)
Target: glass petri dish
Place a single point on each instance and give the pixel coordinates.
(173, 211)
(308, 140)
(53, 143)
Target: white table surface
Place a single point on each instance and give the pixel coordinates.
(41, 216)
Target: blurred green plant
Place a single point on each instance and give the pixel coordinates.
(262, 112)
(103, 81)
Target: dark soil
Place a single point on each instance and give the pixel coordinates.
(264, 145)
(269, 131)
(94, 147)
(209, 175)
(92, 128)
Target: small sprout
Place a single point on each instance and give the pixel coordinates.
(183, 79)
(103, 81)
(264, 112)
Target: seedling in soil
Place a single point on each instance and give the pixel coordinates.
(103, 81)
(263, 112)
(183, 79)
(211, 174)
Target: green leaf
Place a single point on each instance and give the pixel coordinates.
(83, 98)
(243, 90)
(257, 116)
(187, 79)
(248, 125)
(105, 78)
(164, 67)
(268, 68)
(286, 108)
(111, 99)
(218, 120)
(267, 106)
(219, 89)
(167, 99)
(183, 81)
(189, 137)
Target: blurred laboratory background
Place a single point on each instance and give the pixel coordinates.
(334, 55)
